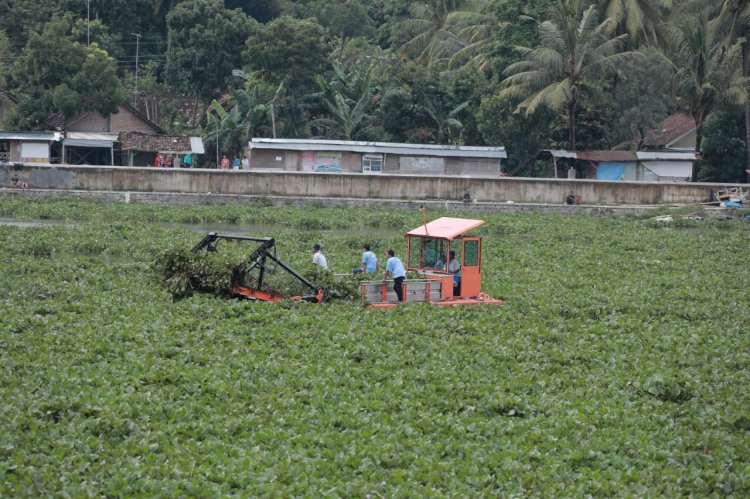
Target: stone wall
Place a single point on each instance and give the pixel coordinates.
(353, 186)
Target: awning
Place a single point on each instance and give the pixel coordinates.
(31, 136)
(90, 139)
(108, 144)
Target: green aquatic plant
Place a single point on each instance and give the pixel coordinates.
(616, 366)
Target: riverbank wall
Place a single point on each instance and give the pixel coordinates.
(133, 184)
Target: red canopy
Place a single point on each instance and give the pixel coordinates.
(446, 228)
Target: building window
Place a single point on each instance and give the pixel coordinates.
(372, 163)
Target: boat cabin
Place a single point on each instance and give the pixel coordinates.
(429, 251)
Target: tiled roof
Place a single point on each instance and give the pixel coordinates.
(137, 141)
(672, 128)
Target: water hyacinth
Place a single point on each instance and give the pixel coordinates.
(616, 366)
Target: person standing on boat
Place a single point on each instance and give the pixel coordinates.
(395, 268)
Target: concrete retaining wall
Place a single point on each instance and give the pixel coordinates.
(354, 186)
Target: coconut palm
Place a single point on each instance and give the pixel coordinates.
(707, 73)
(731, 22)
(446, 129)
(445, 30)
(641, 19)
(429, 37)
(574, 51)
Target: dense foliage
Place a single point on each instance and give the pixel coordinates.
(594, 74)
(617, 365)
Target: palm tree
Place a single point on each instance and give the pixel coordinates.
(473, 29)
(731, 22)
(707, 73)
(575, 50)
(641, 19)
(349, 99)
(447, 127)
(443, 30)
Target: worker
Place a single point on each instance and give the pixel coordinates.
(440, 264)
(369, 262)
(318, 258)
(455, 269)
(395, 268)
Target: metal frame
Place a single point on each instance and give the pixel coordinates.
(258, 259)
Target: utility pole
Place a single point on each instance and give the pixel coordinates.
(88, 22)
(217, 142)
(137, 44)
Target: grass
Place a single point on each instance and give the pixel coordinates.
(618, 365)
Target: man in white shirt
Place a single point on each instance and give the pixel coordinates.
(318, 258)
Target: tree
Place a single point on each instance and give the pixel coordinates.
(641, 19)
(446, 127)
(574, 50)
(525, 136)
(641, 98)
(724, 148)
(288, 49)
(4, 57)
(205, 45)
(731, 23)
(20, 19)
(349, 99)
(262, 11)
(56, 74)
(439, 31)
(340, 19)
(707, 74)
(291, 51)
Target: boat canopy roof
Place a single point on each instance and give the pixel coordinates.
(446, 228)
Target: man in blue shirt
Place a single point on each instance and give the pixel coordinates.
(396, 269)
(369, 261)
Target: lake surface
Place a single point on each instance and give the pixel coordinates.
(228, 229)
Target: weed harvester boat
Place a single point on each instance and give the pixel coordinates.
(258, 261)
(426, 249)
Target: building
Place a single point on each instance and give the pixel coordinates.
(91, 139)
(141, 148)
(27, 147)
(660, 166)
(309, 155)
(124, 138)
(676, 133)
